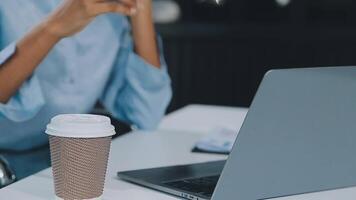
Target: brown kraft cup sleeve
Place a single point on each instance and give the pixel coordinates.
(79, 166)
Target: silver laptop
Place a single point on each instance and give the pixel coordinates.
(299, 136)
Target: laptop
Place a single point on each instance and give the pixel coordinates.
(299, 136)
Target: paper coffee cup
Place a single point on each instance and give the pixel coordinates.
(80, 146)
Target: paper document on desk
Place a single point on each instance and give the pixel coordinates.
(219, 140)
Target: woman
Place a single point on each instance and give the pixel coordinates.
(62, 56)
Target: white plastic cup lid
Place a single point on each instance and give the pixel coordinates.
(80, 126)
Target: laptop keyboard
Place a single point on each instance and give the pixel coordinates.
(203, 186)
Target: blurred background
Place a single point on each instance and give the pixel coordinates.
(218, 51)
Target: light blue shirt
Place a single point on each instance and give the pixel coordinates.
(95, 64)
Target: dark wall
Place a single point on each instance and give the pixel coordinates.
(218, 55)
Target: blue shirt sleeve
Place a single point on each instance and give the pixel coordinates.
(28, 100)
(146, 90)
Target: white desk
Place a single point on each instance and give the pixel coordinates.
(203, 118)
(169, 145)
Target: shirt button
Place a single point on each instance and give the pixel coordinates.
(71, 81)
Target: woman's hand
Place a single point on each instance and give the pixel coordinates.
(74, 15)
(144, 33)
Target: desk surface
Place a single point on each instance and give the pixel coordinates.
(169, 145)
